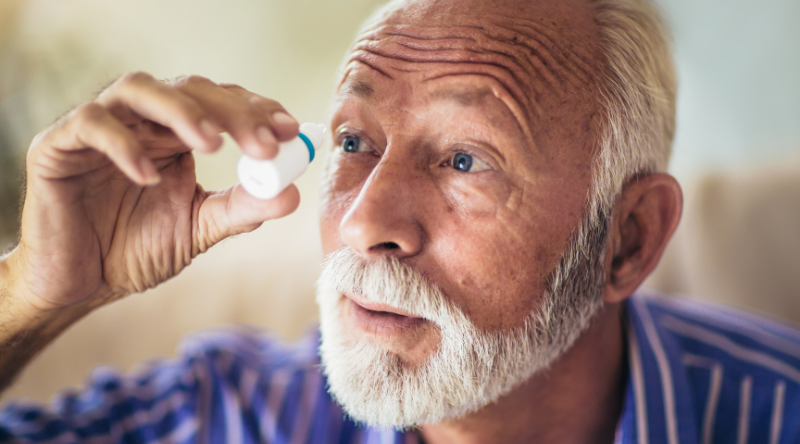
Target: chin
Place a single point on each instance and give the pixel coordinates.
(397, 353)
(464, 372)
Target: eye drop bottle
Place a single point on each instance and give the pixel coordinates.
(265, 179)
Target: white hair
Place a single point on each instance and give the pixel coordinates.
(638, 93)
(471, 367)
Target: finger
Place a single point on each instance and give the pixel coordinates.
(249, 122)
(151, 99)
(233, 211)
(93, 126)
(284, 126)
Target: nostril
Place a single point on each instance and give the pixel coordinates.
(385, 246)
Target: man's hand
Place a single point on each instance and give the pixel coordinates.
(113, 206)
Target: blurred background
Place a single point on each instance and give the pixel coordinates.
(737, 153)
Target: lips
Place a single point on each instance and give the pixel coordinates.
(376, 320)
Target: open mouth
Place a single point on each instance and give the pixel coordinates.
(378, 320)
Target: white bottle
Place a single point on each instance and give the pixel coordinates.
(265, 179)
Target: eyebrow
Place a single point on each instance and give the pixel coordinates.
(360, 88)
(463, 97)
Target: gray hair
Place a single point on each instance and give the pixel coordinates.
(637, 96)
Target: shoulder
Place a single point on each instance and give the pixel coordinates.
(219, 377)
(737, 368)
(710, 330)
(253, 347)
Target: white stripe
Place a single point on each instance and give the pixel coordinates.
(187, 429)
(373, 436)
(126, 390)
(710, 415)
(206, 393)
(732, 348)
(247, 386)
(233, 415)
(744, 409)
(638, 385)
(387, 437)
(777, 412)
(710, 314)
(308, 400)
(663, 369)
(138, 420)
(277, 390)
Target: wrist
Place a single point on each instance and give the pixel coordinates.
(21, 309)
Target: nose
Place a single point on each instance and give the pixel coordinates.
(381, 221)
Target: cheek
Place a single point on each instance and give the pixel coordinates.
(492, 275)
(473, 195)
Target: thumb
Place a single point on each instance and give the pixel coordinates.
(233, 211)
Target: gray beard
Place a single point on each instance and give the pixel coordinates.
(471, 368)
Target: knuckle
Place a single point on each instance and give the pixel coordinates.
(38, 140)
(261, 108)
(195, 81)
(264, 103)
(134, 79)
(88, 113)
(234, 88)
(190, 110)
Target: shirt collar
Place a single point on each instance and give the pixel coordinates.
(658, 406)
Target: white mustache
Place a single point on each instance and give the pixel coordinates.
(388, 281)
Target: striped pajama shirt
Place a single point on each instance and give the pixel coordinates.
(697, 373)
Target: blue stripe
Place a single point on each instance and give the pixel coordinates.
(289, 411)
(309, 145)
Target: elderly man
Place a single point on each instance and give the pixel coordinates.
(493, 199)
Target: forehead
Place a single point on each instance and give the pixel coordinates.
(537, 56)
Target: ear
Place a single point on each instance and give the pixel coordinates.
(645, 216)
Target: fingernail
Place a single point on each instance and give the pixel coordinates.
(209, 128)
(283, 119)
(265, 136)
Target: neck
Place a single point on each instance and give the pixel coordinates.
(578, 400)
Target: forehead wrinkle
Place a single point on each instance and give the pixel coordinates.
(519, 113)
(526, 49)
(543, 40)
(415, 44)
(537, 36)
(472, 39)
(528, 65)
(367, 59)
(507, 72)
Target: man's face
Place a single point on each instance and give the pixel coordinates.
(464, 134)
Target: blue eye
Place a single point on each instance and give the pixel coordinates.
(462, 162)
(351, 144)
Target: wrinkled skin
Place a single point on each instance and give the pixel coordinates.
(419, 88)
(514, 86)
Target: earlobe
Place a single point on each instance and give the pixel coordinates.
(645, 216)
